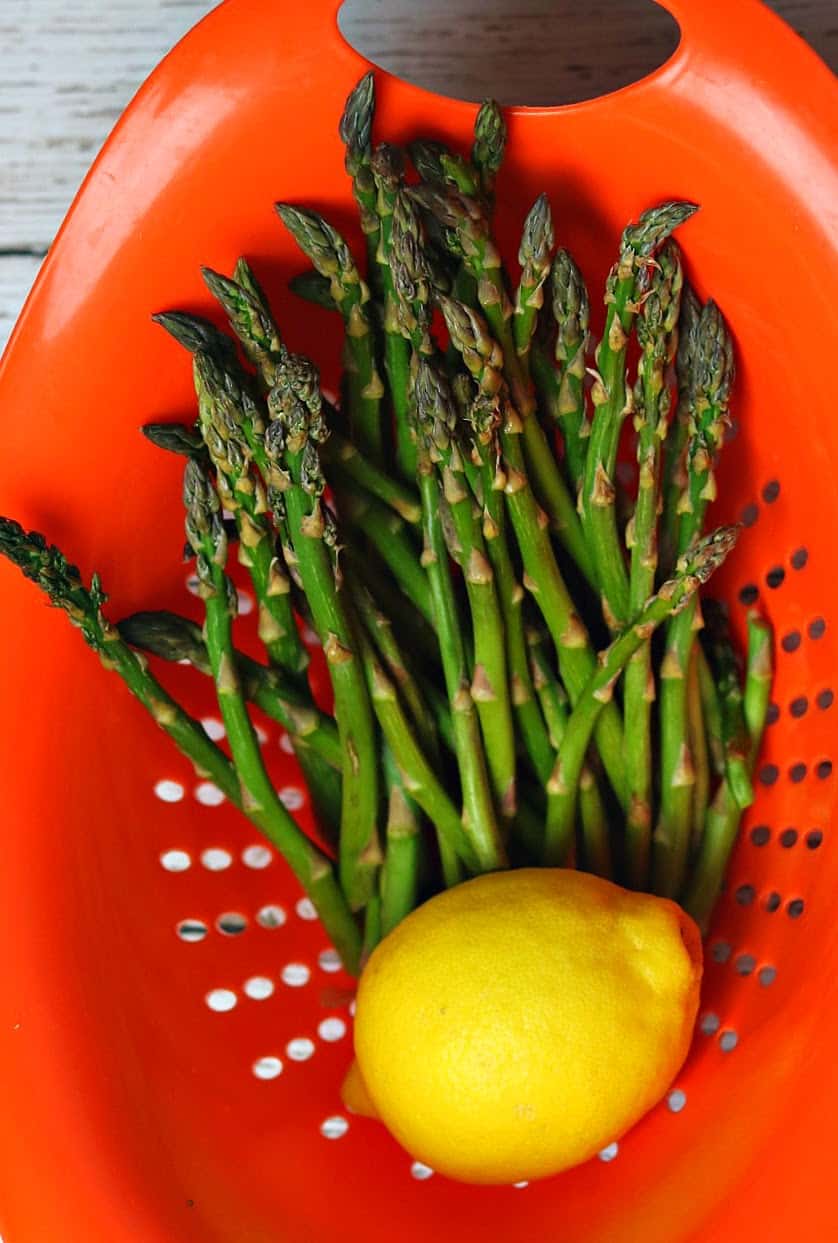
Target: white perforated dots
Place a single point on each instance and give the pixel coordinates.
(271, 916)
(331, 1030)
(257, 857)
(285, 744)
(329, 960)
(295, 974)
(676, 1100)
(213, 728)
(245, 602)
(175, 860)
(305, 909)
(300, 1049)
(231, 923)
(259, 987)
(420, 1171)
(208, 794)
(334, 1127)
(291, 798)
(215, 859)
(169, 791)
(221, 1000)
(267, 1067)
(192, 930)
(609, 1152)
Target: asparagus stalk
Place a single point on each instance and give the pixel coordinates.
(489, 145)
(481, 354)
(468, 237)
(400, 870)
(612, 400)
(349, 463)
(206, 537)
(175, 638)
(436, 416)
(388, 174)
(419, 779)
(249, 316)
(488, 481)
(313, 288)
(594, 826)
(735, 736)
(697, 738)
(692, 571)
(723, 817)
(534, 257)
(331, 256)
(656, 334)
(390, 536)
(356, 132)
(675, 451)
(297, 484)
(562, 387)
(712, 379)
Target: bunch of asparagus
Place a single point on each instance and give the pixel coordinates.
(485, 589)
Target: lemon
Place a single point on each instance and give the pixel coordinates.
(516, 1024)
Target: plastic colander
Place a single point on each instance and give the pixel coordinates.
(174, 1026)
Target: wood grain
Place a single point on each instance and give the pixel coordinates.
(68, 70)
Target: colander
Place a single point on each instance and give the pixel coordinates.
(174, 1025)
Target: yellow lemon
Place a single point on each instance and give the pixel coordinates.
(516, 1024)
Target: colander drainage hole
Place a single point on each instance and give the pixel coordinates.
(817, 628)
(334, 1127)
(256, 857)
(285, 744)
(744, 964)
(709, 1023)
(799, 707)
(231, 923)
(215, 859)
(208, 794)
(760, 835)
(267, 1067)
(258, 988)
(825, 699)
(795, 908)
(305, 909)
(329, 961)
(770, 492)
(169, 791)
(192, 930)
(300, 1049)
(245, 602)
(221, 1000)
(767, 976)
(745, 895)
(814, 839)
(799, 558)
(788, 838)
(420, 1171)
(728, 1040)
(175, 861)
(291, 798)
(271, 916)
(331, 1030)
(676, 1100)
(295, 974)
(721, 951)
(213, 728)
(791, 641)
(609, 1152)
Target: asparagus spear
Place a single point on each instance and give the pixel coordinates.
(675, 450)
(723, 817)
(175, 438)
(534, 257)
(436, 416)
(175, 638)
(697, 739)
(468, 237)
(562, 387)
(612, 400)
(439, 166)
(656, 334)
(391, 538)
(487, 481)
(349, 463)
(388, 174)
(481, 354)
(594, 826)
(295, 495)
(206, 537)
(331, 256)
(489, 144)
(313, 288)
(735, 737)
(400, 870)
(249, 316)
(692, 570)
(356, 132)
(712, 379)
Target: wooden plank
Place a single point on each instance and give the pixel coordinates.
(67, 72)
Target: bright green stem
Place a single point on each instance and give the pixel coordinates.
(391, 539)
(724, 814)
(599, 688)
(397, 369)
(488, 484)
(400, 870)
(259, 798)
(349, 462)
(419, 780)
(359, 848)
(562, 398)
(697, 734)
(414, 630)
(479, 815)
(677, 779)
(712, 713)
(735, 737)
(594, 826)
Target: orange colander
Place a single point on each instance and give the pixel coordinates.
(173, 1024)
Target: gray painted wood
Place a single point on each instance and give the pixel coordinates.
(68, 70)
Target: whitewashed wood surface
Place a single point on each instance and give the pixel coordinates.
(67, 70)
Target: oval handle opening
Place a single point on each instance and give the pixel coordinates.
(536, 53)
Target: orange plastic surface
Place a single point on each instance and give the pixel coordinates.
(130, 1113)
